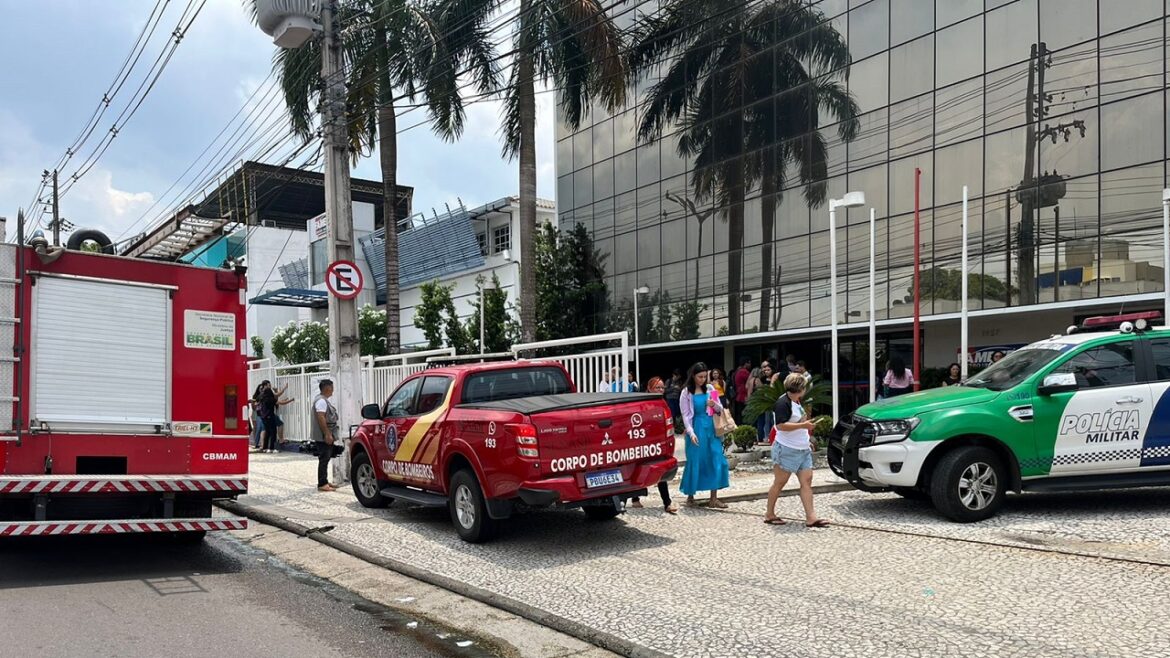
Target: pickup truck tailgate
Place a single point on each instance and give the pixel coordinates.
(609, 431)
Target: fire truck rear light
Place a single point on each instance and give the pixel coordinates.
(529, 452)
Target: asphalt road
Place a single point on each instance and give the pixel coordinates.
(148, 596)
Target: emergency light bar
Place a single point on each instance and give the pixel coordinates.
(1140, 320)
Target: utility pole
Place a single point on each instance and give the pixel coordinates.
(1028, 197)
(56, 214)
(344, 348)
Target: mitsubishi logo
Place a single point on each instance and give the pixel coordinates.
(606, 441)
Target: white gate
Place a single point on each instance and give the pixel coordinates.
(380, 376)
(586, 368)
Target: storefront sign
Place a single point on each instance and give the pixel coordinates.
(981, 355)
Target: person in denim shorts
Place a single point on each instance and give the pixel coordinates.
(792, 452)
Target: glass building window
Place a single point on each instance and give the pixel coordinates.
(481, 238)
(960, 50)
(1131, 62)
(912, 69)
(1011, 32)
(1131, 131)
(869, 27)
(1120, 14)
(958, 112)
(501, 238)
(911, 19)
(1067, 22)
(953, 11)
(869, 83)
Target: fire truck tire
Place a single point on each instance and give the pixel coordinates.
(365, 482)
(468, 511)
(968, 484)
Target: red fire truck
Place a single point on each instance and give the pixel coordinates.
(126, 384)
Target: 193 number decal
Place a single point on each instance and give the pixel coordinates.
(637, 433)
(489, 442)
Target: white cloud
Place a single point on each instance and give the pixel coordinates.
(93, 202)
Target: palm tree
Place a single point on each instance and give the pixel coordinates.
(390, 47)
(574, 46)
(743, 57)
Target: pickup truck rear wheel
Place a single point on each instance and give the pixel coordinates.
(365, 482)
(468, 511)
(968, 484)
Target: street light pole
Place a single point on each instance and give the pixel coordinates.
(1166, 255)
(872, 305)
(644, 290)
(964, 322)
(850, 200)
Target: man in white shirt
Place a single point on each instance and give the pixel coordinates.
(324, 432)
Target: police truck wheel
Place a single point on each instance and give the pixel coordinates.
(468, 511)
(968, 484)
(601, 512)
(365, 482)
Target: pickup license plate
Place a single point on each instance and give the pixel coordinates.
(603, 479)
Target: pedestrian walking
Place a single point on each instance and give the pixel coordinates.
(740, 379)
(324, 433)
(954, 375)
(763, 380)
(706, 468)
(899, 379)
(657, 386)
(792, 452)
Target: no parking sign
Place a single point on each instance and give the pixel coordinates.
(343, 279)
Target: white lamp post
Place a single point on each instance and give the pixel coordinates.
(963, 335)
(872, 305)
(850, 200)
(1166, 255)
(644, 290)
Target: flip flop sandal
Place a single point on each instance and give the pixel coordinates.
(719, 504)
(819, 523)
(775, 521)
(673, 509)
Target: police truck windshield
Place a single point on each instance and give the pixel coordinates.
(1013, 369)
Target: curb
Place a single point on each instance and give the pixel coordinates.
(584, 633)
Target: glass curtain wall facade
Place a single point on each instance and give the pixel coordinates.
(960, 90)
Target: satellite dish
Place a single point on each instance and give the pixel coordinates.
(290, 23)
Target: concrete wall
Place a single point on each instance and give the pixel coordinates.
(268, 249)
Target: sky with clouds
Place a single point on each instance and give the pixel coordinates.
(61, 55)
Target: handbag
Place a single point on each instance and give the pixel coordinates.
(724, 423)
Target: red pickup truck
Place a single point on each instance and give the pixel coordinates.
(487, 440)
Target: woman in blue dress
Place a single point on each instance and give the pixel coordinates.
(706, 467)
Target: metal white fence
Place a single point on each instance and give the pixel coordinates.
(586, 369)
(380, 376)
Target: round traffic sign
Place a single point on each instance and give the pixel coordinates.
(343, 279)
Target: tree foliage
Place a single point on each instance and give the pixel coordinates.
(942, 283)
(301, 342)
(435, 316)
(572, 298)
(372, 331)
(257, 346)
(500, 329)
(660, 319)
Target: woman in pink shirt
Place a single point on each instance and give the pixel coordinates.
(899, 379)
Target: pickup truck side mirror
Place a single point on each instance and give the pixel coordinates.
(1058, 382)
(372, 412)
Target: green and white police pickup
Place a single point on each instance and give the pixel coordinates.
(1086, 410)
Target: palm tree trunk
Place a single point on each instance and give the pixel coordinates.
(768, 219)
(735, 253)
(388, 154)
(527, 98)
